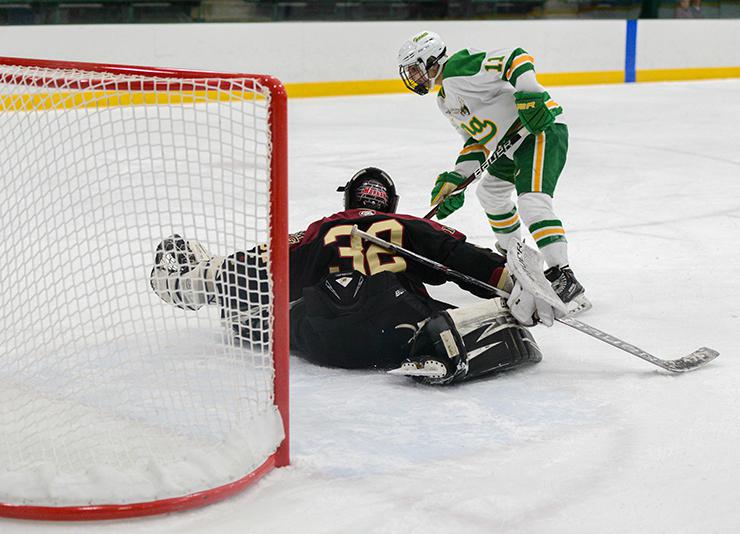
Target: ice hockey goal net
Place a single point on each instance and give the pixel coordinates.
(112, 402)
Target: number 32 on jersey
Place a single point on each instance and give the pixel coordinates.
(375, 259)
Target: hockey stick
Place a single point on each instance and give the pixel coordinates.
(689, 362)
(503, 147)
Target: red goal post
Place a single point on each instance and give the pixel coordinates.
(215, 133)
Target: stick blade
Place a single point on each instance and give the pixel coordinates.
(696, 359)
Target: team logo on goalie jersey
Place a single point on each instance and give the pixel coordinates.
(367, 213)
(296, 238)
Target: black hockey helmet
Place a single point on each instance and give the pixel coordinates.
(370, 188)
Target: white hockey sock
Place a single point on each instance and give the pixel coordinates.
(556, 254)
(546, 229)
(504, 239)
(505, 223)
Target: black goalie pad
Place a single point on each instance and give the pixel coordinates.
(467, 343)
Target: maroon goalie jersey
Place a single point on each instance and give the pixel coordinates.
(327, 246)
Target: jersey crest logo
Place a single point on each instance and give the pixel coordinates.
(367, 213)
(462, 110)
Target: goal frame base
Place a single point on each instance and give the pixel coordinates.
(123, 511)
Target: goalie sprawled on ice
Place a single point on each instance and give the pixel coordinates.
(357, 305)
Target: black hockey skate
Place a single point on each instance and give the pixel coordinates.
(568, 288)
(564, 282)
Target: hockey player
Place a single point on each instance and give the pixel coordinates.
(358, 306)
(483, 94)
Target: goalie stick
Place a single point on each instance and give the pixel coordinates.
(503, 147)
(524, 262)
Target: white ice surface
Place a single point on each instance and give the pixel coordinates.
(590, 440)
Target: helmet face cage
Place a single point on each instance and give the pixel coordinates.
(417, 57)
(415, 77)
(370, 188)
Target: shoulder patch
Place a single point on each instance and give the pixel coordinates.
(519, 62)
(463, 63)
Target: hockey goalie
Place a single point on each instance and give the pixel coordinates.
(355, 305)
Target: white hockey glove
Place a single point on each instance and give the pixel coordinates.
(528, 309)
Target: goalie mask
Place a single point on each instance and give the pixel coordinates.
(418, 56)
(370, 188)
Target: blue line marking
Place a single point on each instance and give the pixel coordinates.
(630, 53)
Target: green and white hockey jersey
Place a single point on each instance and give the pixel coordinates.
(477, 97)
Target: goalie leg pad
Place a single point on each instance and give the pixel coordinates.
(467, 343)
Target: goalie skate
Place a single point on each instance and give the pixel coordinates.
(430, 369)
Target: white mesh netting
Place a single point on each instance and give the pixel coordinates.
(108, 394)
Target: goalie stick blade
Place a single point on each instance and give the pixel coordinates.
(696, 359)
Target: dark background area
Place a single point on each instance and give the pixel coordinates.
(19, 12)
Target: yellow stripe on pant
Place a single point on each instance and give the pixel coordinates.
(539, 162)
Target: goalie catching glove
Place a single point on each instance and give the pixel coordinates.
(442, 193)
(537, 111)
(184, 273)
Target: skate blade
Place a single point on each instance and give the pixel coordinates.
(412, 369)
(578, 305)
